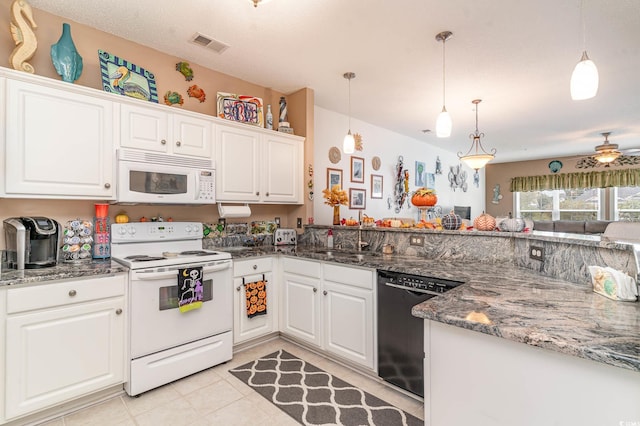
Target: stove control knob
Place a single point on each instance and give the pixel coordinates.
(132, 230)
(188, 229)
(122, 230)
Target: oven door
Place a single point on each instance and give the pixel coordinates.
(156, 322)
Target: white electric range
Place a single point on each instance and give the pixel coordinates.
(165, 343)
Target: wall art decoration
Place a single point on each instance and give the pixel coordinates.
(357, 169)
(438, 166)
(123, 77)
(376, 163)
(172, 98)
(22, 25)
(357, 198)
(457, 178)
(334, 177)
(357, 137)
(242, 108)
(497, 196)
(196, 92)
(334, 155)
(420, 173)
(476, 179)
(555, 166)
(185, 69)
(430, 181)
(376, 186)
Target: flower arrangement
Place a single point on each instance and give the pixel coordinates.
(335, 196)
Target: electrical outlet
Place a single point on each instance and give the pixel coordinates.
(536, 253)
(299, 222)
(416, 240)
(277, 221)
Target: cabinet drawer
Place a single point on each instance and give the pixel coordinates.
(348, 275)
(308, 268)
(252, 266)
(64, 293)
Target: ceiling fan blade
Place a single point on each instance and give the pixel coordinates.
(630, 151)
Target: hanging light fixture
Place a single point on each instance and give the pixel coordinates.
(607, 152)
(257, 2)
(480, 157)
(349, 144)
(584, 80)
(443, 124)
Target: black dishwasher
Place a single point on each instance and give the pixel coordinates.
(400, 334)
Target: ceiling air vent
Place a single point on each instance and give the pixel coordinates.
(208, 42)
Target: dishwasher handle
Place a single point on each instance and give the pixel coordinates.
(411, 289)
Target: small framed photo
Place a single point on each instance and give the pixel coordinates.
(334, 177)
(376, 186)
(357, 169)
(357, 198)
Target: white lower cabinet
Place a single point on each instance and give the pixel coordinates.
(244, 273)
(330, 306)
(63, 341)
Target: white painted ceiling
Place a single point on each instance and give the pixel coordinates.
(515, 55)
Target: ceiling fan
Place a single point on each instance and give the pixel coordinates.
(608, 153)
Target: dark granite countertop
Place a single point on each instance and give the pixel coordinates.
(507, 301)
(62, 271)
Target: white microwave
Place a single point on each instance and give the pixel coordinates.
(148, 177)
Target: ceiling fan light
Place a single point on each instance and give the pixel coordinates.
(476, 161)
(584, 80)
(444, 124)
(349, 143)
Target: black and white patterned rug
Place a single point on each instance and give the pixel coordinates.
(315, 397)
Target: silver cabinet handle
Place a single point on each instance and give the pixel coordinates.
(315, 290)
(257, 192)
(178, 143)
(118, 311)
(238, 288)
(163, 142)
(72, 293)
(267, 194)
(324, 292)
(255, 267)
(107, 185)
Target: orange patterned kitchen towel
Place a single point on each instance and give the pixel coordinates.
(256, 298)
(189, 289)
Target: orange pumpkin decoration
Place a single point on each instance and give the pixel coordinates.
(484, 222)
(424, 197)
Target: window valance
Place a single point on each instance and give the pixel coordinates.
(603, 179)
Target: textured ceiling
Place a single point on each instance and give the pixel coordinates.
(515, 55)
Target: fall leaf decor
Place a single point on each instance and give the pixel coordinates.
(335, 197)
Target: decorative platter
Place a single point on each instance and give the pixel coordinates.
(375, 163)
(245, 109)
(334, 155)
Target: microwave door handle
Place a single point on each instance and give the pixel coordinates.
(197, 186)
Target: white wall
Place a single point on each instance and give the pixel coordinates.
(330, 129)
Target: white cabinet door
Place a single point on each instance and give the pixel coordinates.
(144, 128)
(237, 164)
(301, 313)
(192, 136)
(59, 144)
(348, 322)
(282, 170)
(245, 328)
(59, 354)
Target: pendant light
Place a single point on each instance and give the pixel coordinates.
(257, 2)
(584, 80)
(443, 124)
(349, 144)
(480, 157)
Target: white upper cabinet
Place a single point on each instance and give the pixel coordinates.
(59, 143)
(151, 129)
(255, 166)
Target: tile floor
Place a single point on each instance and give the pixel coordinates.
(215, 397)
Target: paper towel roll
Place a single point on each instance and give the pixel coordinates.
(234, 211)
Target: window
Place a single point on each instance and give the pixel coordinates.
(563, 204)
(627, 203)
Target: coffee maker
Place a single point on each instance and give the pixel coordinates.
(32, 242)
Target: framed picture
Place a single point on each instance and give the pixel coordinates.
(357, 198)
(357, 169)
(334, 177)
(123, 77)
(430, 180)
(376, 186)
(420, 172)
(245, 109)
